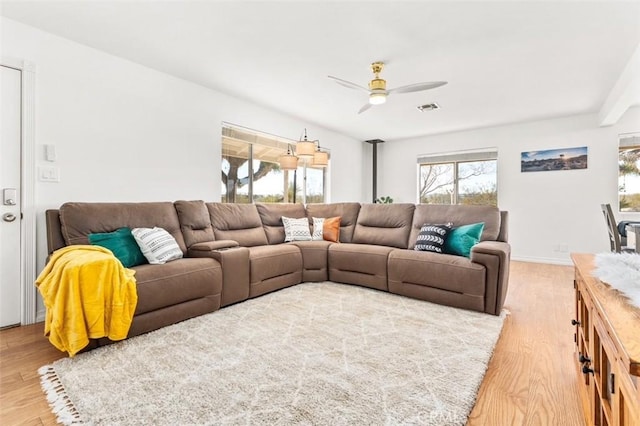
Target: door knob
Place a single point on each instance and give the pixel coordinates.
(8, 217)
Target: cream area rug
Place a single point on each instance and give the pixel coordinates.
(312, 354)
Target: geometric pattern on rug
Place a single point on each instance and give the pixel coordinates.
(311, 354)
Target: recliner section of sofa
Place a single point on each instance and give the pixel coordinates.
(167, 293)
(478, 283)
(237, 251)
(271, 267)
(378, 229)
(195, 223)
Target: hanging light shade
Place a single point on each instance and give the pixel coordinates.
(305, 148)
(320, 159)
(288, 161)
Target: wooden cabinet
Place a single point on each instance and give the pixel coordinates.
(607, 351)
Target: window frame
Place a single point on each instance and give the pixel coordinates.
(253, 137)
(455, 159)
(626, 141)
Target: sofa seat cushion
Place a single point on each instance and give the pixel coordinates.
(443, 271)
(361, 264)
(273, 267)
(176, 282)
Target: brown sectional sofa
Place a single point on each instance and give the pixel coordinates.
(233, 252)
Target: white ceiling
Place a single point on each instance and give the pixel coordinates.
(505, 61)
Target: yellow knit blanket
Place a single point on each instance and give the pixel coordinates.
(88, 294)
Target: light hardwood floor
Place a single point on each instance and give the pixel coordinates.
(531, 378)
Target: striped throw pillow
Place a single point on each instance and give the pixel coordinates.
(157, 245)
(318, 225)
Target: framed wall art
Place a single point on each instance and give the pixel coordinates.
(554, 159)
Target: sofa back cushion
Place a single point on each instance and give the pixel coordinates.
(238, 222)
(195, 222)
(348, 213)
(384, 224)
(458, 215)
(271, 217)
(78, 220)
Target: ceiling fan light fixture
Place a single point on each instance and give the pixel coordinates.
(378, 97)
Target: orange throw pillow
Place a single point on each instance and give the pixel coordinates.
(331, 229)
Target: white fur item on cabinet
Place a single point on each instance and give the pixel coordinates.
(622, 272)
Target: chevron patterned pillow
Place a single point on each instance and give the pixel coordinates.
(296, 229)
(432, 237)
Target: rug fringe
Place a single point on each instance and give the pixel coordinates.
(57, 397)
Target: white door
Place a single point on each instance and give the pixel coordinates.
(10, 203)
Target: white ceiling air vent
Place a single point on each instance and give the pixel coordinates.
(428, 107)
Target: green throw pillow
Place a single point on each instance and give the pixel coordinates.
(122, 244)
(461, 239)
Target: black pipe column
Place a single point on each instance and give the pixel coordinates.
(375, 143)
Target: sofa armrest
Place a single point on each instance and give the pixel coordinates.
(201, 249)
(234, 261)
(495, 257)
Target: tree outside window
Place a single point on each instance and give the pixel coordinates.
(264, 181)
(459, 182)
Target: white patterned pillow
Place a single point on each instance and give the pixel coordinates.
(318, 225)
(157, 245)
(296, 229)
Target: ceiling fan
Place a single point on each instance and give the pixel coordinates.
(378, 87)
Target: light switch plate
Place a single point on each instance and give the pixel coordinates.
(50, 152)
(48, 174)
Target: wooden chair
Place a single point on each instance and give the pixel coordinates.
(614, 235)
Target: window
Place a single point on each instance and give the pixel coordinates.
(458, 178)
(629, 173)
(264, 181)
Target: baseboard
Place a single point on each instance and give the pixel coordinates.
(549, 260)
(40, 315)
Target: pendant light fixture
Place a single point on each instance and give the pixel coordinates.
(305, 149)
(320, 158)
(288, 161)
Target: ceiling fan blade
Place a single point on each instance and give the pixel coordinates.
(348, 84)
(417, 87)
(364, 108)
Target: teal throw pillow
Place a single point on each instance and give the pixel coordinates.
(461, 239)
(122, 244)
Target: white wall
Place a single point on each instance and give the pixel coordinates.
(124, 132)
(546, 209)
